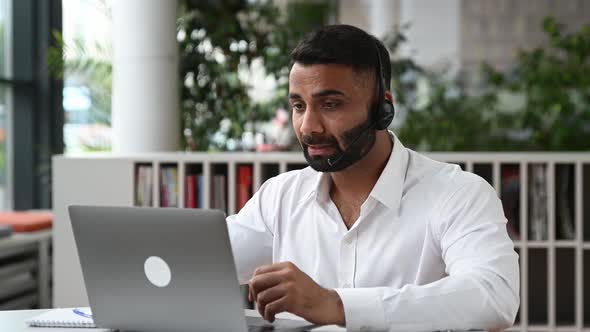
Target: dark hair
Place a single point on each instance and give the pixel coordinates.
(344, 45)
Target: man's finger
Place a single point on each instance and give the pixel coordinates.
(261, 282)
(269, 268)
(260, 309)
(270, 295)
(275, 307)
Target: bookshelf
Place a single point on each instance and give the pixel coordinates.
(546, 198)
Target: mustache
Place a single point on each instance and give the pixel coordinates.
(318, 140)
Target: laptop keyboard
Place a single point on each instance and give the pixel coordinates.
(257, 324)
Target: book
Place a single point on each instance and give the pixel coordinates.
(200, 187)
(73, 317)
(218, 198)
(191, 191)
(173, 187)
(223, 193)
(510, 195)
(168, 187)
(144, 186)
(139, 193)
(148, 185)
(163, 188)
(564, 201)
(538, 213)
(244, 190)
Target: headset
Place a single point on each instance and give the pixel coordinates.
(382, 112)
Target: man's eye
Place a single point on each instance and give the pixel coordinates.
(297, 107)
(330, 105)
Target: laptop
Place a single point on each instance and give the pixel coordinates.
(162, 269)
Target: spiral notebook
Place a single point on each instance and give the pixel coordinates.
(72, 317)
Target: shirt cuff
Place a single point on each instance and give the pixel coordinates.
(363, 309)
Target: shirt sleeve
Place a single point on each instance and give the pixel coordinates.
(481, 290)
(250, 232)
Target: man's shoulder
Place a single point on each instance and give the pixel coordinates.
(440, 177)
(298, 181)
(446, 187)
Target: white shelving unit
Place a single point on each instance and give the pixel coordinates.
(555, 269)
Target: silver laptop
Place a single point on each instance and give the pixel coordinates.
(156, 269)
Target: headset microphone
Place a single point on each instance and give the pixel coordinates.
(335, 161)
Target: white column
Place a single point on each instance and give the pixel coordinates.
(355, 12)
(145, 115)
(434, 34)
(384, 15)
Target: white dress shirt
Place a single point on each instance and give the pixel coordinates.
(429, 251)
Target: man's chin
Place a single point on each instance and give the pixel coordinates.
(319, 163)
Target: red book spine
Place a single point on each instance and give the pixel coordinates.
(244, 185)
(191, 191)
(164, 188)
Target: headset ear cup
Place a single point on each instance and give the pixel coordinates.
(385, 116)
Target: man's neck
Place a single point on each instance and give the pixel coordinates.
(357, 181)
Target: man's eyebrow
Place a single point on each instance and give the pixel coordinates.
(323, 93)
(329, 92)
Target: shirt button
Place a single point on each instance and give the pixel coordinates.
(348, 240)
(346, 286)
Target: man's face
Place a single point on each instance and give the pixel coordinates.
(330, 109)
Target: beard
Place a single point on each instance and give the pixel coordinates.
(358, 141)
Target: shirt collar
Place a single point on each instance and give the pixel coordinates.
(389, 187)
(320, 189)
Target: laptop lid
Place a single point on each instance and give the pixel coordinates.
(155, 269)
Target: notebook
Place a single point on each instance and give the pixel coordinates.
(72, 317)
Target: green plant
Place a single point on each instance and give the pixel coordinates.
(219, 41)
(541, 104)
(434, 109)
(94, 72)
(446, 119)
(86, 65)
(552, 85)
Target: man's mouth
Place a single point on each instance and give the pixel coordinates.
(320, 149)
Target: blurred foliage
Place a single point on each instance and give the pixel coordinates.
(542, 103)
(434, 109)
(91, 71)
(86, 65)
(219, 40)
(552, 88)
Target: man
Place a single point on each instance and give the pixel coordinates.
(371, 236)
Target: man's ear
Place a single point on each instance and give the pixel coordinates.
(388, 96)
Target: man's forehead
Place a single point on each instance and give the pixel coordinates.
(303, 71)
(325, 76)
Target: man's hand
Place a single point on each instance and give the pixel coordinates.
(283, 287)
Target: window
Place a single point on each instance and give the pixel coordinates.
(6, 84)
(31, 113)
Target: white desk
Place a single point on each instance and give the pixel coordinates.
(14, 321)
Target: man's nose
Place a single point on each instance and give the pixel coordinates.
(311, 122)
